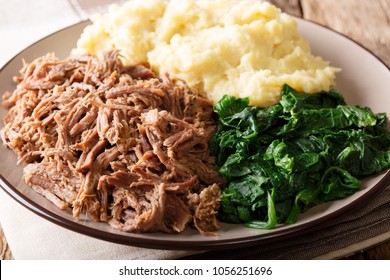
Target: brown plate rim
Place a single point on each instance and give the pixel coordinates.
(211, 244)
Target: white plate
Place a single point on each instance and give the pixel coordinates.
(363, 81)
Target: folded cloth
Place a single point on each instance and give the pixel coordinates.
(351, 233)
(28, 235)
(32, 237)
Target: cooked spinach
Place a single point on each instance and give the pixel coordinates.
(303, 151)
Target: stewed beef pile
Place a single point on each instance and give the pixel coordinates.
(117, 143)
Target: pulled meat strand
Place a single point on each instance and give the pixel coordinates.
(117, 143)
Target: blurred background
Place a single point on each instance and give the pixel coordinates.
(22, 21)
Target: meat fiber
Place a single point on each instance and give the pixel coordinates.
(117, 143)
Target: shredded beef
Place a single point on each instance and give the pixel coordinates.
(117, 143)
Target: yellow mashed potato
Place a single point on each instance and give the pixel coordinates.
(245, 48)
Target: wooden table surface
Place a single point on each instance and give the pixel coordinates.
(366, 22)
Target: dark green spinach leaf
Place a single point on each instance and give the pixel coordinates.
(303, 151)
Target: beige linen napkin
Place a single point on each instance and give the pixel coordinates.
(32, 237)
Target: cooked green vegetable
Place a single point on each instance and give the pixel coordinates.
(305, 150)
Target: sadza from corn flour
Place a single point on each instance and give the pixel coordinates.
(243, 48)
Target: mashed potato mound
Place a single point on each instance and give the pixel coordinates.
(245, 48)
